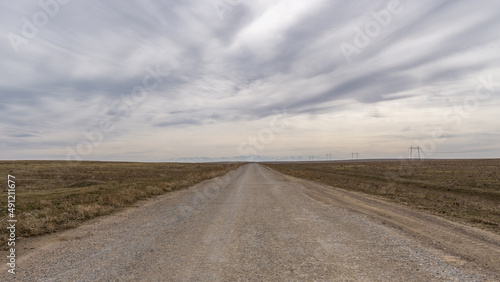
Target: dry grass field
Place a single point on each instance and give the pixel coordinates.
(466, 191)
(55, 195)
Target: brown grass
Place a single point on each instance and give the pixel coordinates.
(467, 191)
(55, 195)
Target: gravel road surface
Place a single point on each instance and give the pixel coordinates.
(257, 224)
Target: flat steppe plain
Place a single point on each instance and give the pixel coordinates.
(466, 191)
(255, 223)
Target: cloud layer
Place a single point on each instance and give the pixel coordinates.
(153, 80)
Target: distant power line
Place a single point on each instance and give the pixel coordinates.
(418, 149)
(355, 154)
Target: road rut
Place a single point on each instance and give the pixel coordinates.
(257, 224)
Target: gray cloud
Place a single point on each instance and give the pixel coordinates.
(235, 68)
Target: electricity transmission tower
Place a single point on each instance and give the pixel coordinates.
(355, 154)
(418, 149)
(311, 158)
(328, 157)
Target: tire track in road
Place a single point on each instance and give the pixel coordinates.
(257, 224)
(461, 243)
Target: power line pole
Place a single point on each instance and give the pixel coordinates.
(355, 154)
(414, 148)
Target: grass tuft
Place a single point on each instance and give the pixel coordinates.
(466, 191)
(56, 195)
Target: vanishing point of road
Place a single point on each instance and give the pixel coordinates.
(257, 224)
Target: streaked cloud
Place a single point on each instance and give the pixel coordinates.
(227, 67)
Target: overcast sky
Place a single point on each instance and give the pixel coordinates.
(154, 80)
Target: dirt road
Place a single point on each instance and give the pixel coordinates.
(257, 224)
